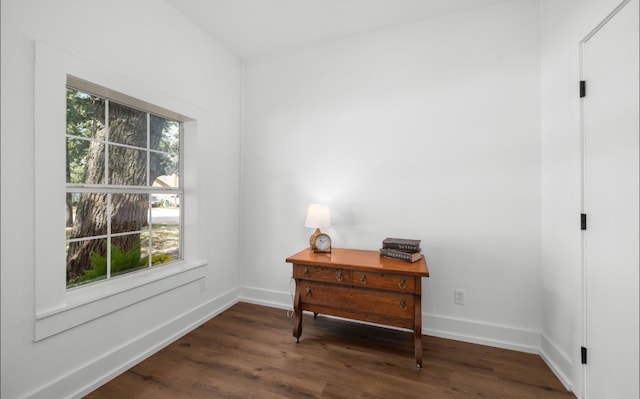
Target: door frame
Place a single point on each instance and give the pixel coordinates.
(584, 293)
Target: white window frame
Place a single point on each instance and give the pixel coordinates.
(56, 308)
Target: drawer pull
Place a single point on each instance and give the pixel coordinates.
(403, 305)
(363, 279)
(305, 271)
(402, 284)
(339, 275)
(308, 291)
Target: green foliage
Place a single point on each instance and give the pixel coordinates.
(120, 262)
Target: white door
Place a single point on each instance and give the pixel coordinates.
(610, 183)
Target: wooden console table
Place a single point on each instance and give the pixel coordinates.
(360, 285)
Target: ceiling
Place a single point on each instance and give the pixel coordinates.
(258, 28)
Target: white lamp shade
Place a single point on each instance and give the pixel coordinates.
(318, 216)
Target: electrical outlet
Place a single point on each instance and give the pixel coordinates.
(458, 297)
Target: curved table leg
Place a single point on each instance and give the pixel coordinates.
(417, 331)
(297, 324)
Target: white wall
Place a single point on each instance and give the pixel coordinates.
(564, 25)
(150, 43)
(428, 131)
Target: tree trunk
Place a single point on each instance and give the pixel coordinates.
(127, 167)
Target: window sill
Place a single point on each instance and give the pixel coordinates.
(94, 301)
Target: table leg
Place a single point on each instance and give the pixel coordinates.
(297, 324)
(417, 341)
(418, 348)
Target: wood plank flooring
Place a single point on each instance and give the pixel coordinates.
(248, 352)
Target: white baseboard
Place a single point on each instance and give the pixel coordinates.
(131, 353)
(557, 361)
(481, 333)
(270, 298)
(439, 326)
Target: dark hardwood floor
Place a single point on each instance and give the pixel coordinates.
(248, 352)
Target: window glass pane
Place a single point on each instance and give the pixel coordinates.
(127, 125)
(165, 243)
(129, 212)
(85, 161)
(126, 254)
(86, 261)
(165, 214)
(164, 169)
(85, 218)
(85, 115)
(165, 146)
(165, 135)
(165, 226)
(86, 214)
(127, 166)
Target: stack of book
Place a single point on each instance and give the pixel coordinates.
(401, 249)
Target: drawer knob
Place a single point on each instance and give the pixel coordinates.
(305, 271)
(308, 291)
(403, 305)
(402, 284)
(363, 279)
(339, 275)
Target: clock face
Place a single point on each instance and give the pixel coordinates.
(323, 242)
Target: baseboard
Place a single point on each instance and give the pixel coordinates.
(270, 298)
(496, 335)
(557, 361)
(439, 326)
(131, 353)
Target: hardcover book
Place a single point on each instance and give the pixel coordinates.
(400, 255)
(402, 244)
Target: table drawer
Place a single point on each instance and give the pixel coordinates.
(357, 299)
(392, 282)
(326, 274)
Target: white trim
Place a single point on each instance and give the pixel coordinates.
(557, 361)
(584, 295)
(98, 300)
(495, 335)
(82, 380)
(271, 298)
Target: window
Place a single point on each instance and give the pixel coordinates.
(123, 188)
(161, 194)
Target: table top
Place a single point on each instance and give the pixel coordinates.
(358, 259)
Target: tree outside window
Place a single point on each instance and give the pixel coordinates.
(123, 189)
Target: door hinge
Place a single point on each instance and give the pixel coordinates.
(583, 221)
(583, 354)
(583, 88)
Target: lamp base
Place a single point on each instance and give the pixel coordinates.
(312, 238)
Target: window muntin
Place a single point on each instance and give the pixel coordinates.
(123, 189)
